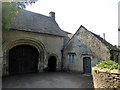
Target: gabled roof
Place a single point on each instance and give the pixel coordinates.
(105, 42)
(102, 40)
(34, 22)
(98, 37)
(68, 34)
(67, 37)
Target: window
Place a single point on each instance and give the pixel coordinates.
(71, 58)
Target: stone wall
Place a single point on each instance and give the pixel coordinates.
(105, 78)
(94, 44)
(84, 44)
(47, 45)
(81, 51)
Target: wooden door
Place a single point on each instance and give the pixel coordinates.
(23, 59)
(87, 65)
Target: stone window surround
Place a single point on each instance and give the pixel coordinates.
(87, 55)
(71, 57)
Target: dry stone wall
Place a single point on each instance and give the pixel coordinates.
(105, 78)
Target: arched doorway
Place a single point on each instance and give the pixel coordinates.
(52, 63)
(87, 65)
(23, 59)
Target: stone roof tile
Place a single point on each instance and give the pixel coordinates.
(34, 22)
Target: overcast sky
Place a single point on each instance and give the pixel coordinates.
(119, 14)
(98, 16)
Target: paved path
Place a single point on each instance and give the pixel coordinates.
(48, 80)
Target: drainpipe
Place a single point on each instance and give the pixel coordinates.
(104, 36)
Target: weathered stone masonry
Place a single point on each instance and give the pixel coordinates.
(84, 49)
(105, 78)
(40, 42)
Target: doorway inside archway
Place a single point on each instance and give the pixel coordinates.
(52, 63)
(23, 59)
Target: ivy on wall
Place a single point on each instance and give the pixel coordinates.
(110, 53)
(113, 54)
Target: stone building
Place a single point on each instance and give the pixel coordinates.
(85, 49)
(32, 44)
(36, 43)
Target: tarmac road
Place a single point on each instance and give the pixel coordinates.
(48, 80)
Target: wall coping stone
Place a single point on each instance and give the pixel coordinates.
(105, 70)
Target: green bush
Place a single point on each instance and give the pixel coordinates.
(109, 65)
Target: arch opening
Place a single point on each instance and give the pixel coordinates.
(23, 59)
(52, 61)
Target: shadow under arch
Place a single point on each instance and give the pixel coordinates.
(37, 44)
(52, 62)
(23, 59)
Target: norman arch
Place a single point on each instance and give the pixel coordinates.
(52, 63)
(23, 42)
(23, 59)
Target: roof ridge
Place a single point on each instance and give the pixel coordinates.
(35, 22)
(35, 13)
(105, 42)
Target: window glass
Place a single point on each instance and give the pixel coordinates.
(71, 58)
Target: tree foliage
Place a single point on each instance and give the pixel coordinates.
(26, 2)
(11, 9)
